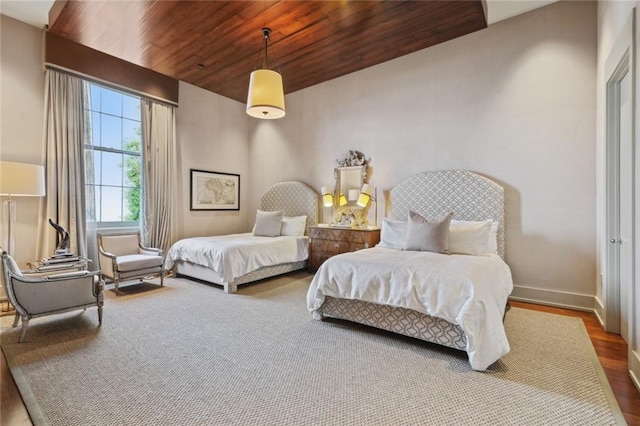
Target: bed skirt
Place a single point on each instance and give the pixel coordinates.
(397, 320)
(205, 274)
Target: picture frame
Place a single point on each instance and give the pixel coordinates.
(214, 190)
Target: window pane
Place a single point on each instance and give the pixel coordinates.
(111, 102)
(111, 131)
(112, 169)
(113, 179)
(131, 107)
(131, 135)
(111, 204)
(95, 97)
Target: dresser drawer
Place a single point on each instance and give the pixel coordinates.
(326, 242)
(330, 246)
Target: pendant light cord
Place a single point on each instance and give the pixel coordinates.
(266, 32)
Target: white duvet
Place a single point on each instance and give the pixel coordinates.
(470, 291)
(235, 255)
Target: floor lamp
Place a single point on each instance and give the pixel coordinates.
(17, 180)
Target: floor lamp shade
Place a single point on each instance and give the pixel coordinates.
(17, 180)
(21, 179)
(266, 95)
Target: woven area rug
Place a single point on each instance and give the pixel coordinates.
(190, 354)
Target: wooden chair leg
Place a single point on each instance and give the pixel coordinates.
(161, 278)
(16, 319)
(100, 315)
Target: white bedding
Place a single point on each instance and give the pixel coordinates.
(235, 255)
(470, 291)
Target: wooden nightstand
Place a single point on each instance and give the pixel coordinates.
(329, 241)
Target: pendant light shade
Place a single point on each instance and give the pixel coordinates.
(265, 99)
(266, 96)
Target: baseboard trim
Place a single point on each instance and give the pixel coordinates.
(558, 299)
(598, 309)
(634, 364)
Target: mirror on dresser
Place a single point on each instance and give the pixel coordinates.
(350, 175)
(349, 180)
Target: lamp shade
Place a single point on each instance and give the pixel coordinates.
(21, 179)
(266, 95)
(327, 197)
(365, 195)
(342, 200)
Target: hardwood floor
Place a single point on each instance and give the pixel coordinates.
(611, 350)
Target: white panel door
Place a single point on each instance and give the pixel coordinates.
(626, 204)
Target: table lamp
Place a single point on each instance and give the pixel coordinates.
(367, 194)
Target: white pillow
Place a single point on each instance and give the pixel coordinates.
(492, 244)
(293, 226)
(425, 235)
(268, 224)
(393, 234)
(467, 237)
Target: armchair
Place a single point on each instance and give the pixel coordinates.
(122, 257)
(53, 294)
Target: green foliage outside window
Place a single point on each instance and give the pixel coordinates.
(134, 175)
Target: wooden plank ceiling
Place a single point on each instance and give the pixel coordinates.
(215, 44)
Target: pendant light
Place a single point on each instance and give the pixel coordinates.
(266, 95)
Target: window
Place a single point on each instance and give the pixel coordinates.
(113, 170)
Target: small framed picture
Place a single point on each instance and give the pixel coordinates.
(214, 190)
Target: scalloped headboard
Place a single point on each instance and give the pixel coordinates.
(468, 195)
(294, 198)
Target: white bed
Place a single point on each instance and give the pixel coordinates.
(231, 260)
(454, 300)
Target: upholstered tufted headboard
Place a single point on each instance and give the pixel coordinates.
(468, 195)
(294, 198)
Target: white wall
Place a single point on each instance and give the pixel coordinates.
(21, 118)
(212, 135)
(515, 102)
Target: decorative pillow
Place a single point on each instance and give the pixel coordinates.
(268, 224)
(492, 241)
(293, 226)
(423, 235)
(469, 237)
(393, 234)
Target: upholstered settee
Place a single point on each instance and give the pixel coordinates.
(46, 295)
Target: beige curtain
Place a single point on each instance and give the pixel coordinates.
(64, 153)
(159, 196)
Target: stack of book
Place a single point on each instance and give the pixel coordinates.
(58, 261)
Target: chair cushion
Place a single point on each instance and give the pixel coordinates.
(133, 262)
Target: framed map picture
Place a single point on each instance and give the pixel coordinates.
(214, 191)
